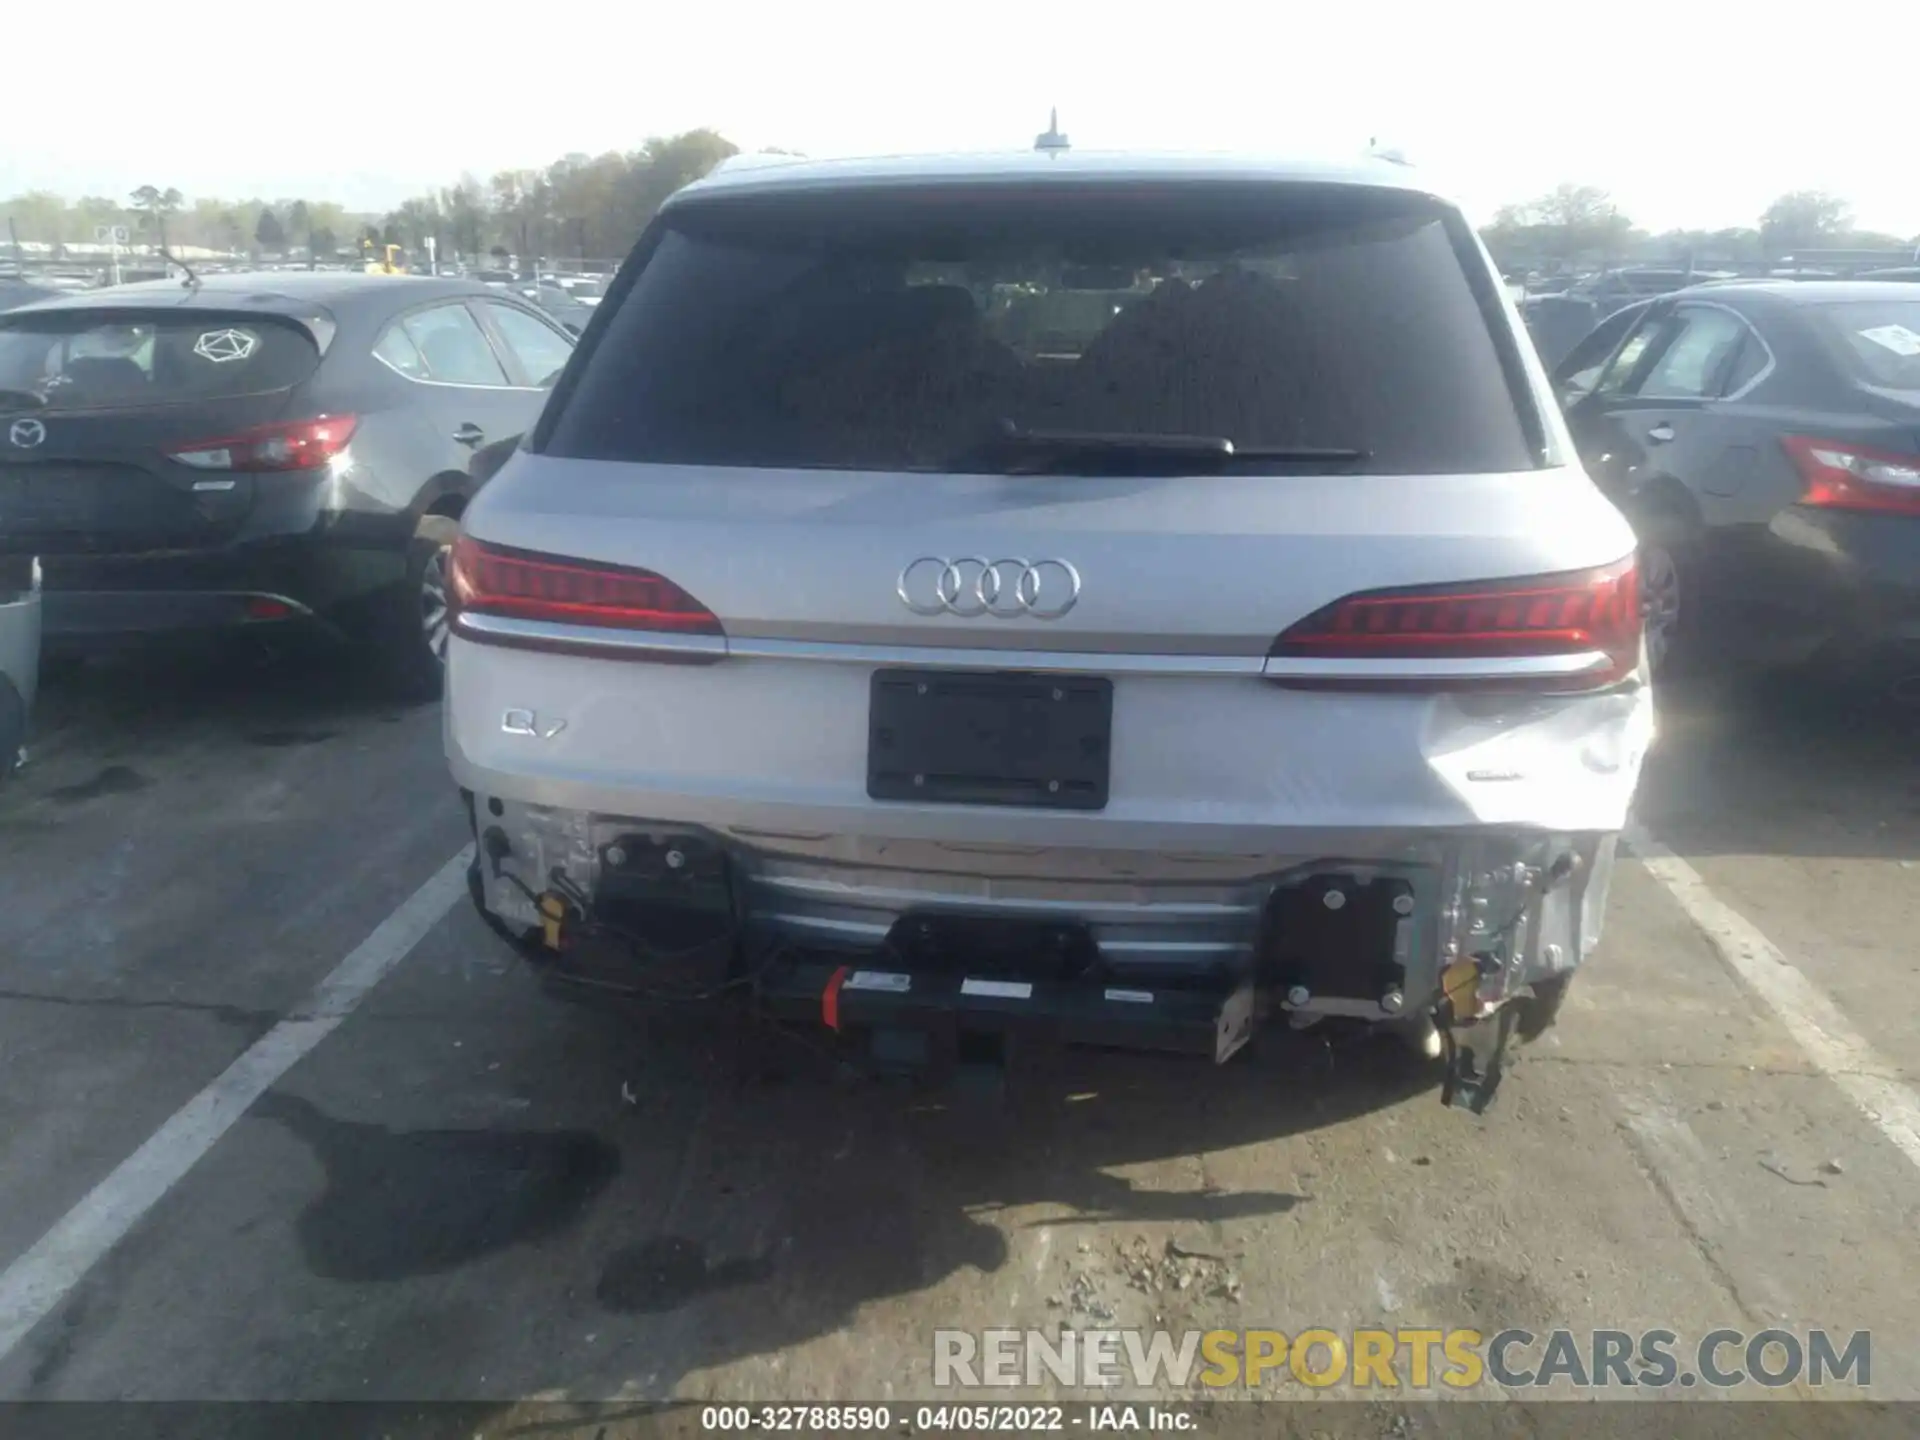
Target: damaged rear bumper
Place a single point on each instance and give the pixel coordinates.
(1184, 953)
(1404, 860)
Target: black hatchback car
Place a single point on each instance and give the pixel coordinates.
(1763, 437)
(254, 450)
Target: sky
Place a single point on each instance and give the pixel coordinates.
(1689, 114)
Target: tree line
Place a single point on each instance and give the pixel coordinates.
(1581, 224)
(581, 206)
(156, 216)
(589, 207)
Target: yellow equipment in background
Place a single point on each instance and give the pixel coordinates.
(384, 262)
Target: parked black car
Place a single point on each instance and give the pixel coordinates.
(249, 450)
(1764, 439)
(562, 304)
(1558, 320)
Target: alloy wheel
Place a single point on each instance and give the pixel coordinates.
(1659, 603)
(433, 603)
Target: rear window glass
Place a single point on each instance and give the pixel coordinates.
(898, 330)
(84, 359)
(1880, 340)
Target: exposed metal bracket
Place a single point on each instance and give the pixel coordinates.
(1476, 1060)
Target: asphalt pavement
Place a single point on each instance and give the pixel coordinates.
(279, 1119)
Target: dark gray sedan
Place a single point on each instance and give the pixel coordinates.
(250, 450)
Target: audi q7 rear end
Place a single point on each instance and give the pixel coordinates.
(1124, 599)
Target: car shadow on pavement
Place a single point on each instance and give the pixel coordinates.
(786, 1200)
(1783, 765)
(713, 1192)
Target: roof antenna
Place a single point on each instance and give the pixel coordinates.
(1053, 142)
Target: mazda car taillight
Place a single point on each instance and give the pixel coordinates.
(1579, 630)
(505, 596)
(283, 445)
(1843, 475)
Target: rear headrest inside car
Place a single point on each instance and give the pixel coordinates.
(106, 374)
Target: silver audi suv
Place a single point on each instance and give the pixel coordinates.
(1118, 599)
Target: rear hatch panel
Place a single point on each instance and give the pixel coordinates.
(1185, 582)
(1207, 567)
(84, 468)
(100, 483)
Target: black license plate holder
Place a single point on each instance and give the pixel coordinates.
(990, 737)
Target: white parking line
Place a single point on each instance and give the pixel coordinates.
(1684, 1173)
(40, 1279)
(1837, 1050)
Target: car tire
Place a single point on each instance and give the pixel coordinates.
(409, 626)
(1666, 601)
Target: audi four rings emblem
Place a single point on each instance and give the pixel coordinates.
(26, 433)
(1005, 589)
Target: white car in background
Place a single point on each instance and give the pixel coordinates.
(951, 664)
(19, 654)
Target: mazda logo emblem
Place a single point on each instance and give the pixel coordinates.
(26, 433)
(1005, 589)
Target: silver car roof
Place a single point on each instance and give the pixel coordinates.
(776, 174)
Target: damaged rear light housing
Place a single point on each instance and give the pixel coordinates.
(1576, 630)
(520, 598)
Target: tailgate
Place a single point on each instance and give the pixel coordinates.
(1184, 584)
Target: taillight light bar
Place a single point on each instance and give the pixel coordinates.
(519, 598)
(1577, 630)
(1843, 475)
(283, 445)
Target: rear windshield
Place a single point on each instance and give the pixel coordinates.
(1880, 340)
(897, 330)
(83, 359)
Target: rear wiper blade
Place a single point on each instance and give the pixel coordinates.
(1016, 451)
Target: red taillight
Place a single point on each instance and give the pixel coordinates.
(517, 585)
(1574, 631)
(1842, 475)
(284, 445)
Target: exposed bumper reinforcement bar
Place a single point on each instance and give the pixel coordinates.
(1212, 1022)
